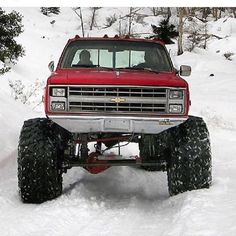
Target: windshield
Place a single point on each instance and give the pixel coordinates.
(116, 55)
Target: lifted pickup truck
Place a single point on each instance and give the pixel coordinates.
(111, 92)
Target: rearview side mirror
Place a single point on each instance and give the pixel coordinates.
(185, 70)
(51, 66)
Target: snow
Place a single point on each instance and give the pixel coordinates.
(123, 200)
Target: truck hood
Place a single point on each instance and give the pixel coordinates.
(122, 77)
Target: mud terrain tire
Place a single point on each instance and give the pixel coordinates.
(154, 148)
(189, 165)
(39, 176)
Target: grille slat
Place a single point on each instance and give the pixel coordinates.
(116, 93)
(110, 99)
(126, 92)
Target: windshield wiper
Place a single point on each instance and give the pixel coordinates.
(93, 66)
(85, 66)
(112, 69)
(139, 68)
(104, 68)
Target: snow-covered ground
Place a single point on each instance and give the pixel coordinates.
(123, 200)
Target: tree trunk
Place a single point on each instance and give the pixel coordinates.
(220, 12)
(215, 13)
(120, 26)
(234, 12)
(154, 11)
(82, 22)
(192, 11)
(130, 20)
(93, 17)
(180, 29)
(80, 17)
(205, 12)
(168, 13)
(205, 39)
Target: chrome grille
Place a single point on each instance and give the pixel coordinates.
(130, 100)
(117, 92)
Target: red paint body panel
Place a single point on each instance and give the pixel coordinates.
(106, 77)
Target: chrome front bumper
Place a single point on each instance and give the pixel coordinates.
(111, 124)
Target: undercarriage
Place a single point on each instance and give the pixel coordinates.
(101, 159)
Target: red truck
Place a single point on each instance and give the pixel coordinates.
(111, 92)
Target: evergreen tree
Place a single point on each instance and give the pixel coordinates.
(10, 50)
(165, 31)
(55, 10)
(44, 10)
(47, 11)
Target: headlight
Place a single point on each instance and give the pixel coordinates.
(176, 94)
(58, 106)
(175, 108)
(58, 92)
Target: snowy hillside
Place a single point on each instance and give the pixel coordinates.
(122, 200)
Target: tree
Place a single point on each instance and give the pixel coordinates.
(127, 21)
(155, 11)
(47, 11)
(78, 12)
(93, 17)
(181, 30)
(168, 12)
(130, 18)
(54, 10)
(165, 31)
(234, 11)
(110, 20)
(162, 11)
(10, 50)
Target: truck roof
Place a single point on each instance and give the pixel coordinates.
(117, 38)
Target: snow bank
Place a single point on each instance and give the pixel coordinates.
(12, 116)
(123, 201)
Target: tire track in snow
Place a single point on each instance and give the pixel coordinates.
(117, 196)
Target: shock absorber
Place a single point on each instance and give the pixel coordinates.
(84, 146)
